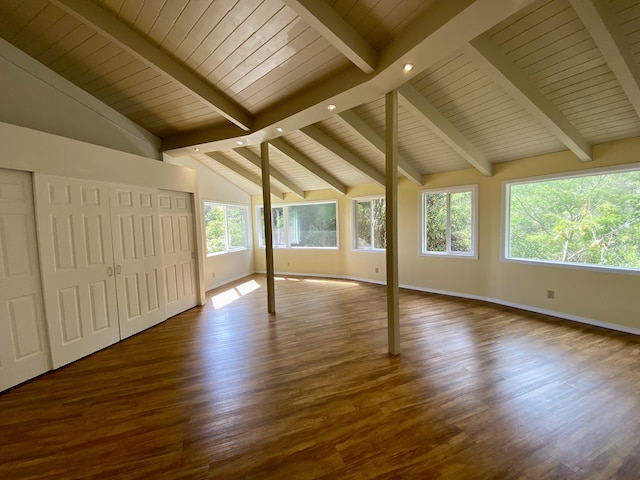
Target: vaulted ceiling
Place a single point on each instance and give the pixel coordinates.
(493, 80)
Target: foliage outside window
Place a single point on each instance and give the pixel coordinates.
(370, 224)
(591, 220)
(309, 225)
(449, 222)
(225, 227)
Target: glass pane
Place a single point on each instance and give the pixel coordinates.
(379, 223)
(435, 206)
(214, 228)
(461, 221)
(261, 227)
(313, 225)
(592, 220)
(277, 222)
(363, 224)
(237, 225)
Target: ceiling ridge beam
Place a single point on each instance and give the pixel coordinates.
(318, 136)
(431, 117)
(234, 167)
(441, 31)
(308, 164)
(332, 27)
(605, 31)
(485, 54)
(360, 127)
(275, 174)
(141, 48)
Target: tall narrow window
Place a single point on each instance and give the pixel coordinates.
(370, 226)
(312, 225)
(225, 227)
(449, 222)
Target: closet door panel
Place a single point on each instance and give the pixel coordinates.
(24, 351)
(138, 260)
(74, 231)
(178, 250)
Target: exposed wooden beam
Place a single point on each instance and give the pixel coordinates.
(305, 162)
(391, 198)
(605, 31)
(145, 51)
(330, 25)
(275, 174)
(442, 29)
(334, 147)
(485, 54)
(359, 126)
(234, 167)
(268, 234)
(424, 111)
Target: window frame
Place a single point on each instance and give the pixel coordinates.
(226, 206)
(506, 219)
(354, 223)
(260, 234)
(473, 254)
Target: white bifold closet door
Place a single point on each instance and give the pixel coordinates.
(24, 351)
(78, 274)
(178, 250)
(138, 258)
(101, 263)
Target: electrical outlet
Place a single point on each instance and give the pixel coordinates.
(551, 294)
(288, 264)
(213, 274)
(377, 270)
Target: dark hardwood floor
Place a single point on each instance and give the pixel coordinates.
(227, 391)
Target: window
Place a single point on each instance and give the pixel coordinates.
(308, 225)
(449, 222)
(225, 227)
(587, 219)
(370, 227)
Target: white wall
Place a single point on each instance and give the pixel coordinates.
(595, 297)
(33, 96)
(222, 268)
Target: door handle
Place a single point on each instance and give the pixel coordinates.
(118, 269)
(110, 271)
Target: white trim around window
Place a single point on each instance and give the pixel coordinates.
(455, 237)
(596, 237)
(226, 227)
(288, 233)
(373, 240)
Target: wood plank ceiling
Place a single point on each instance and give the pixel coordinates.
(494, 80)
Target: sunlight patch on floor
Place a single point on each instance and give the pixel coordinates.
(228, 296)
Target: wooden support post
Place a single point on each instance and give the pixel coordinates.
(393, 291)
(268, 234)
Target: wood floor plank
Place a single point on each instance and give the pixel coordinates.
(228, 391)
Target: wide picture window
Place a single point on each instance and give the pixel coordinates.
(449, 222)
(589, 220)
(312, 225)
(225, 227)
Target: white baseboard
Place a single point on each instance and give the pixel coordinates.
(543, 311)
(226, 281)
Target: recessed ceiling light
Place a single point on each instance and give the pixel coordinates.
(279, 129)
(407, 67)
(196, 149)
(239, 142)
(331, 107)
